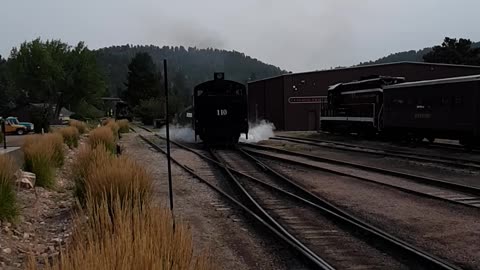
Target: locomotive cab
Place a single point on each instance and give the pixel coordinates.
(220, 110)
(356, 106)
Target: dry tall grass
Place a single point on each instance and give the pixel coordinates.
(107, 121)
(102, 136)
(39, 160)
(70, 135)
(124, 126)
(42, 153)
(118, 177)
(138, 237)
(87, 159)
(81, 126)
(55, 141)
(8, 209)
(114, 127)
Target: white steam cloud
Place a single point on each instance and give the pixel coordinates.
(259, 132)
(179, 133)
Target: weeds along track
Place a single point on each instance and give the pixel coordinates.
(422, 186)
(329, 237)
(425, 158)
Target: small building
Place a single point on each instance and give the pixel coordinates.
(292, 101)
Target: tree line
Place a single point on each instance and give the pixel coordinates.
(450, 51)
(53, 74)
(50, 74)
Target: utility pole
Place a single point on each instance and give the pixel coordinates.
(167, 119)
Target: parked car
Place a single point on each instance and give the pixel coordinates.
(12, 125)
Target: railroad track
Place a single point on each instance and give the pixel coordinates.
(444, 160)
(314, 223)
(423, 186)
(313, 260)
(453, 147)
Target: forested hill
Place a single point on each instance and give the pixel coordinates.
(192, 65)
(416, 56)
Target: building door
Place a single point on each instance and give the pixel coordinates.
(312, 120)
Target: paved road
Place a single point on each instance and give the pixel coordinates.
(14, 140)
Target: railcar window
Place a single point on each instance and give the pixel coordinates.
(458, 101)
(445, 100)
(398, 101)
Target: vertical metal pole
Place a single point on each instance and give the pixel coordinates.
(167, 118)
(4, 133)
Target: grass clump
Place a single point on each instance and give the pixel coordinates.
(102, 136)
(42, 153)
(39, 160)
(55, 141)
(118, 178)
(81, 126)
(138, 237)
(114, 127)
(124, 126)
(87, 160)
(8, 209)
(70, 135)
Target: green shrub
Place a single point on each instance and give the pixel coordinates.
(8, 209)
(150, 109)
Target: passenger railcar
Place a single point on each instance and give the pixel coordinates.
(445, 108)
(220, 110)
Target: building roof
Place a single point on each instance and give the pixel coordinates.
(470, 78)
(369, 66)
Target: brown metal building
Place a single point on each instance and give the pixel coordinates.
(292, 101)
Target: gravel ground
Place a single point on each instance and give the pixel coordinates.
(44, 223)
(414, 148)
(432, 170)
(449, 231)
(217, 228)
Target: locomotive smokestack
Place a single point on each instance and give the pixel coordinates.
(219, 76)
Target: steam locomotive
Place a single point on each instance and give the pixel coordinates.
(220, 110)
(444, 108)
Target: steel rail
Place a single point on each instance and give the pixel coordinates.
(455, 162)
(329, 209)
(313, 258)
(420, 179)
(264, 212)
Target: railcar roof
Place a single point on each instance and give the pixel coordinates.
(382, 80)
(217, 82)
(470, 78)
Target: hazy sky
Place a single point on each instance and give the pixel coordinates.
(295, 35)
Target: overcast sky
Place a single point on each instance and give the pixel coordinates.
(295, 35)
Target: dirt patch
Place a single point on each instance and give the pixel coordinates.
(44, 223)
